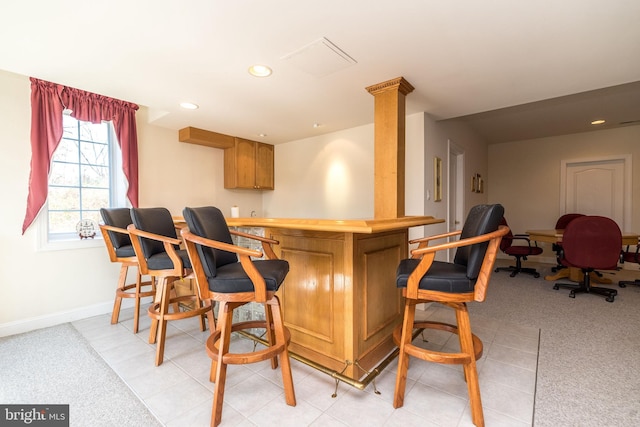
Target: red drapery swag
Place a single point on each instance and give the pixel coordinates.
(48, 100)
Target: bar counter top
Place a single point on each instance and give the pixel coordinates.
(365, 226)
(339, 299)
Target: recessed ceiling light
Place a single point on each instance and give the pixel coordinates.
(597, 122)
(189, 105)
(262, 135)
(317, 125)
(260, 70)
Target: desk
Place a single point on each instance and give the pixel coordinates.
(555, 236)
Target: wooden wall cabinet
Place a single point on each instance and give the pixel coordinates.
(248, 164)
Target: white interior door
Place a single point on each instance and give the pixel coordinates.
(598, 187)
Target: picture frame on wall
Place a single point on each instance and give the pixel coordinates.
(437, 179)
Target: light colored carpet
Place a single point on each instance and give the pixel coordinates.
(589, 359)
(57, 366)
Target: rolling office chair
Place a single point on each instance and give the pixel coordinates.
(561, 224)
(159, 255)
(630, 255)
(227, 273)
(520, 252)
(452, 284)
(591, 242)
(118, 243)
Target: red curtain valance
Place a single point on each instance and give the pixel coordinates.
(48, 100)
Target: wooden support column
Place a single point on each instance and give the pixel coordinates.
(389, 151)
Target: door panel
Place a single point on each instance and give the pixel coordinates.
(596, 187)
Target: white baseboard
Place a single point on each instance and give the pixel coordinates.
(53, 319)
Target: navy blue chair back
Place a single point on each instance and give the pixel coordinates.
(157, 221)
(482, 219)
(209, 222)
(117, 217)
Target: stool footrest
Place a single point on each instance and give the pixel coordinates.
(154, 309)
(249, 357)
(123, 292)
(438, 356)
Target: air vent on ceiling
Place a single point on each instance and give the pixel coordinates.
(319, 58)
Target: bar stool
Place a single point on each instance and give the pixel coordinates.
(159, 255)
(452, 284)
(118, 243)
(222, 278)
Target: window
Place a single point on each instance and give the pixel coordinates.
(86, 175)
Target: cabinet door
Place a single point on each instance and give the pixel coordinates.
(264, 166)
(239, 164)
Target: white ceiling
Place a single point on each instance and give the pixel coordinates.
(463, 57)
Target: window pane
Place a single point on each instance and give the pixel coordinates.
(63, 222)
(94, 132)
(67, 151)
(82, 176)
(94, 198)
(64, 198)
(94, 154)
(64, 174)
(70, 126)
(93, 215)
(95, 176)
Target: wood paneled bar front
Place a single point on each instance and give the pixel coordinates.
(339, 300)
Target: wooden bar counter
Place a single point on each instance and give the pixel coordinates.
(340, 301)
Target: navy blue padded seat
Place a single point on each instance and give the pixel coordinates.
(461, 275)
(121, 218)
(158, 221)
(223, 271)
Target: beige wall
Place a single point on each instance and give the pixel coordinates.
(525, 176)
(331, 176)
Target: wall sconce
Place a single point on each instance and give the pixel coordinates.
(477, 183)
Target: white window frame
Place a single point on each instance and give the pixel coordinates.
(118, 190)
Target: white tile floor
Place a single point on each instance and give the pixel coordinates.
(179, 393)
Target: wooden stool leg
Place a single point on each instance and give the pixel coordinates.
(211, 318)
(285, 363)
(270, 335)
(403, 357)
(122, 281)
(470, 371)
(225, 320)
(157, 299)
(136, 313)
(162, 322)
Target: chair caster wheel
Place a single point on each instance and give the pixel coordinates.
(609, 299)
(614, 293)
(536, 275)
(572, 294)
(622, 285)
(556, 287)
(496, 270)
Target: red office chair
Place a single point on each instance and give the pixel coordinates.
(590, 243)
(561, 224)
(520, 252)
(630, 255)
